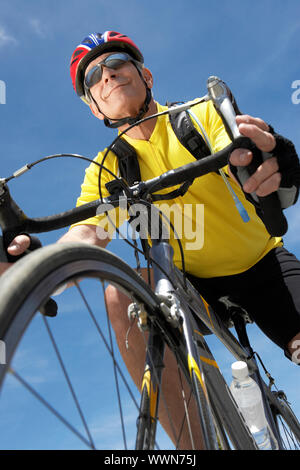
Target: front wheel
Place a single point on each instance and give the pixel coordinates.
(34, 343)
(72, 340)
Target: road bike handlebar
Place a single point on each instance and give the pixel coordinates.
(13, 219)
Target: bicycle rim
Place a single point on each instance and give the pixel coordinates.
(24, 289)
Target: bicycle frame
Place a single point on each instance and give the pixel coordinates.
(178, 304)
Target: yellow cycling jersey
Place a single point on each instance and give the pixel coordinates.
(214, 238)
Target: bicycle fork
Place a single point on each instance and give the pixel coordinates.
(150, 392)
(162, 253)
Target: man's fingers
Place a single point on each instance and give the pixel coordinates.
(262, 139)
(240, 157)
(257, 130)
(269, 186)
(265, 180)
(246, 119)
(19, 244)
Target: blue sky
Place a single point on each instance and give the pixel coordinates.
(252, 45)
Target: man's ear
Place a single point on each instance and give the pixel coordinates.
(148, 77)
(96, 112)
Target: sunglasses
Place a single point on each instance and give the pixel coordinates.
(113, 61)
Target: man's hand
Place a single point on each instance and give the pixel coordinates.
(19, 244)
(267, 178)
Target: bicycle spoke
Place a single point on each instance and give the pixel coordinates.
(186, 416)
(115, 370)
(48, 406)
(107, 345)
(116, 366)
(68, 382)
(290, 438)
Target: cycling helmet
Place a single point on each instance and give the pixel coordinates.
(94, 45)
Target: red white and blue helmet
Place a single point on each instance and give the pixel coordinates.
(94, 45)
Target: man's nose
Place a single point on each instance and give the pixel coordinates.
(108, 74)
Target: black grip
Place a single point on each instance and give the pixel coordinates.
(270, 206)
(272, 215)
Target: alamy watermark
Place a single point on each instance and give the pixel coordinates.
(2, 92)
(2, 352)
(296, 353)
(296, 93)
(183, 222)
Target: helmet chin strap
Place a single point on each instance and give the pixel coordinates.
(131, 120)
(128, 120)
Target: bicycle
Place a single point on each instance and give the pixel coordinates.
(173, 315)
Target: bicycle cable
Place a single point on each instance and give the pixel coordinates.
(28, 166)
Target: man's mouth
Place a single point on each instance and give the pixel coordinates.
(114, 88)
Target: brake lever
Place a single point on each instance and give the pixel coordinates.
(272, 214)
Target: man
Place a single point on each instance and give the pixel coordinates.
(237, 259)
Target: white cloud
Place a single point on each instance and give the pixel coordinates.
(5, 38)
(38, 27)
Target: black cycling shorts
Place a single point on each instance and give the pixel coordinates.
(269, 292)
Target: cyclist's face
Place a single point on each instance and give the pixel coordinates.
(120, 92)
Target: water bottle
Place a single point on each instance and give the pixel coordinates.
(248, 397)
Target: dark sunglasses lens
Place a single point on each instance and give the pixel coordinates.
(112, 62)
(93, 77)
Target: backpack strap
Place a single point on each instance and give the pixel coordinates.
(187, 134)
(128, 161)
(130, 170)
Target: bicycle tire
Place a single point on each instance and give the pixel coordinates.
(30, 282)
